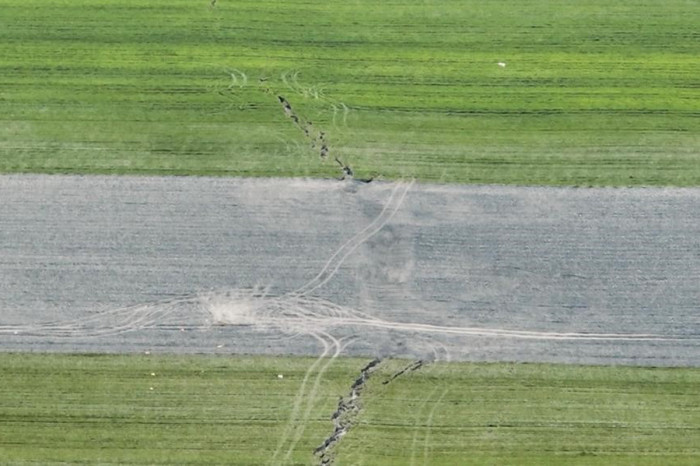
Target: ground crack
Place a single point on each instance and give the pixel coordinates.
(414, 366)
(317, 139)
(345, 417)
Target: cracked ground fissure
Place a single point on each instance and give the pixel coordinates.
(316, 139)
(345, 416)
(349, 409)
(413, 366)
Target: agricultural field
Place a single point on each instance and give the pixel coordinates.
(508, 92)
(144, 268)
(146, 409)
(539, 282)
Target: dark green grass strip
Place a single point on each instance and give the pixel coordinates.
(593, 92)
(138, 409)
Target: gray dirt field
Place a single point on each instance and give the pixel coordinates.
(302, 266)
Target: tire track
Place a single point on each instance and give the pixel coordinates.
(429, 424)
(298, 400)
(417, 425)
(310, 399)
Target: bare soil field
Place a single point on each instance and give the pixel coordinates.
(289, 266)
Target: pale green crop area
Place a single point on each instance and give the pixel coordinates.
(138, 409)
(592, 92)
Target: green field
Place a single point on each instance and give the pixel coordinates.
(138, 409)
(593, 92)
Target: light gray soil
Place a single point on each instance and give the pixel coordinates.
(124, 264)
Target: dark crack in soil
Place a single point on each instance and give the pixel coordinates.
(345, 416)
(317, 139)
(414, 366)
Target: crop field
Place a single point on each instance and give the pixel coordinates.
(484, 305)
(515, 92)
(145, 409)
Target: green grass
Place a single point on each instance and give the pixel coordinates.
(594, 92)
(138, 409)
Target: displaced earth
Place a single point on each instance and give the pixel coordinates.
(277, 266)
